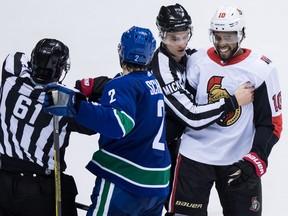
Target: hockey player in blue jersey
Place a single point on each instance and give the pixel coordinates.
(132, 164)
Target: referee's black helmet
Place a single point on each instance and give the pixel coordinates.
(173, 18)
(49, 59)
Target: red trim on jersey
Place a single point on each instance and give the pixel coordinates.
(173, 192)
(216, 58)
(277, 122)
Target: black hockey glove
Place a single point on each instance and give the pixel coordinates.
(246, 172)
(92, 87)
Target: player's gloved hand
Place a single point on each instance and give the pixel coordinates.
(246, 172)
(61, 101)
(92, 87)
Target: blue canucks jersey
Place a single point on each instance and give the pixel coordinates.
(131, 120)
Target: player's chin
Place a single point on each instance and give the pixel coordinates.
(181, 53)
(225, 56)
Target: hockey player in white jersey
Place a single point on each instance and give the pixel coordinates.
(233, 152)
(169, 66)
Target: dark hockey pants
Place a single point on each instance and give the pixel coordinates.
(33, 194)
(190, 195)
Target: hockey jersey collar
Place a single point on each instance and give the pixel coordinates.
(216, 58)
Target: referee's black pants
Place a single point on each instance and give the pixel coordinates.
(24, 193)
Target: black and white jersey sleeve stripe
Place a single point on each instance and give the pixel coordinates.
(179, 101)
(26, 131)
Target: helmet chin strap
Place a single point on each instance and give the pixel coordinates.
(60, 81)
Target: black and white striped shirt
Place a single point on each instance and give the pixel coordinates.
(26, 131)
(181, 108)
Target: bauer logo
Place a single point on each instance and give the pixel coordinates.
(189, 205)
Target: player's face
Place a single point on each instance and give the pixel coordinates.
(176, 43)
(225, 43)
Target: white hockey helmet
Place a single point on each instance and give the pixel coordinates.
(228, 19)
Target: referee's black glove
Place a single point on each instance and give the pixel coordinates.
(246, 173)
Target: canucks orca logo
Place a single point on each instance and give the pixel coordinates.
(215, 93)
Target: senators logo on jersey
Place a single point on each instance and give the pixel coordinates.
(215, 93)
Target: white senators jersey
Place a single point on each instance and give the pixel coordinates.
(254, 127)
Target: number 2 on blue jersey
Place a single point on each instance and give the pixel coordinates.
(160, 113)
